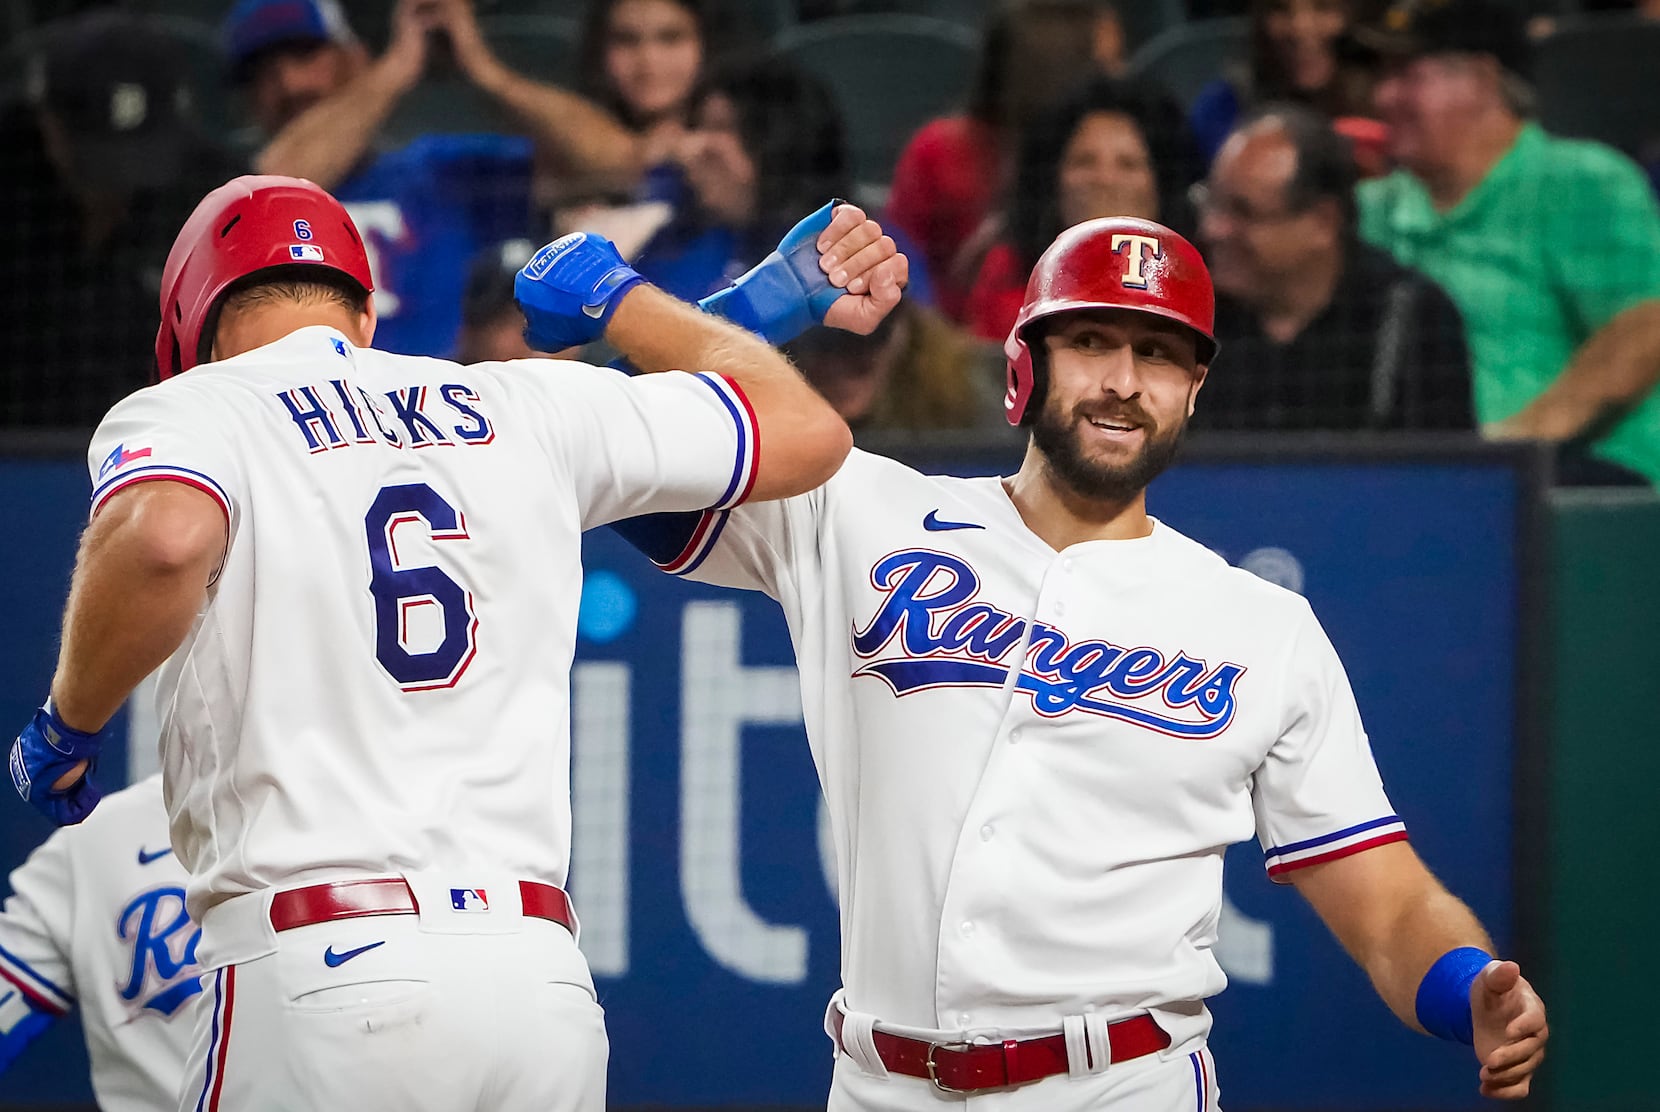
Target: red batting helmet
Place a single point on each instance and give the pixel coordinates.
(252, 224)
(1116, 262)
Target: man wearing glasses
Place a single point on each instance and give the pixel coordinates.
(1320, 330)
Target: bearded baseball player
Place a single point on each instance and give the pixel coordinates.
(1039, 717)
(97, 921)
(359, 574)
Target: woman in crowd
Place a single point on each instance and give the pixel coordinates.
(952, 171)
(642, 61)
(765, 147)
(1112, 149)
(1300, 52)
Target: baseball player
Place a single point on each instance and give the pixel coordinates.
(1039, 717)
(97, 918)
(359, 574)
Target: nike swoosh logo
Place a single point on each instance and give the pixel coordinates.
(933, 524)
(334, 960)
(146, 858)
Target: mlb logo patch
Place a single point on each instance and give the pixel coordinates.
(305, 252)
(469, 899)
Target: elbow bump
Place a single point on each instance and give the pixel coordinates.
(831, 441)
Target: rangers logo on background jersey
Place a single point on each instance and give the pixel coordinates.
(162, 941)
(946, 639)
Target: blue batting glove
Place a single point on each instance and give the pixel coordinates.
(787, 293)
(569, 290)
(44, 751)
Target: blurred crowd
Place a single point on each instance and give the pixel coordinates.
(1420, 214)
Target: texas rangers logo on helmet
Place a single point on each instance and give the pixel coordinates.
(931, 632)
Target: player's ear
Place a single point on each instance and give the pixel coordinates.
(1200, 373)
(366, 322)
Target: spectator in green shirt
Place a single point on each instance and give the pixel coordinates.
(1550, 247)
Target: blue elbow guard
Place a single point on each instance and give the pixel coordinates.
(787, 293)
(21, 1023)
(1443, 1003)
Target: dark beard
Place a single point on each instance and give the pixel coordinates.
(1060, 441)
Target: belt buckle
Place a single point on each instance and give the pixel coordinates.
(933, 1069)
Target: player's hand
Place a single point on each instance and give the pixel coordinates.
(858, 257)
(834, 267)
(569, 290)
(51, 766)
(1508, 1020)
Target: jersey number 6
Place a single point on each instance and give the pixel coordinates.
(403, 594)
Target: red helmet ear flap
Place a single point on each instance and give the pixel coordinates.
(1111, 263)
(1021, 376)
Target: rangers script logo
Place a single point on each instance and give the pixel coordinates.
(946, 639)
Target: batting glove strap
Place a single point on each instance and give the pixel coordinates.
(787, 293)
(45, 750)
(570, 289)
(1443, 1003)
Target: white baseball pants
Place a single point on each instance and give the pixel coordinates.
(374, 1015)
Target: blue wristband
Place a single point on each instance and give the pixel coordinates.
(786, 293)
(1443, 1003)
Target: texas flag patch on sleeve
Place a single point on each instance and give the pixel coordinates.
(120, 458)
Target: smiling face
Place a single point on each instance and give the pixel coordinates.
(1303, 34)
(1432, 105)
(1121, 386)
(653, 52)
(1259, 243)
(1106, 171)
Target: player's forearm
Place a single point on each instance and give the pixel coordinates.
(1613, 370)
(140, 580)
(589, 139)
(1425, 925)
(328, 139)
(803, 440)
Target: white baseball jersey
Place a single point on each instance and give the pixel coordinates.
(1034, 760)
(97, 919)
(379, 681)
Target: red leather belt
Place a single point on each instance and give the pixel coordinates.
(971, 1067)
(352, 899)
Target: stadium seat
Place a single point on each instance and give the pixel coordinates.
(1186, 57)
(1596, 79)
(968, 13)
(889, 75)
